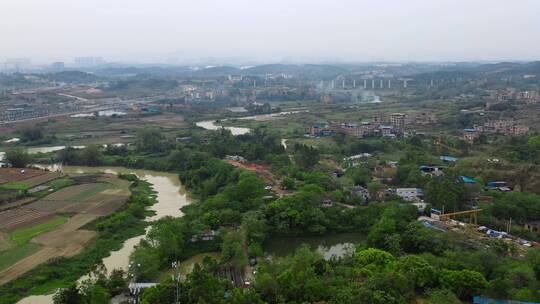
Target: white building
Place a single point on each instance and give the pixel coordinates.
(409, 194)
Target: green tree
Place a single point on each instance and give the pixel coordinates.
(163, 293)
(288, 183)
(232, 251)
(68, 156)
(91, 156)
(418, 271)
(373, 256)
(202, 287)
(98, 295)
(149, 140)
(70, 295)
(18, 158)
(534, 142)
(464, 283)
(117, 282)
(374, 187)
(31, 133)
(147, 263)
(441, 296)
(306, 156)
(245, 296)
(444, 191)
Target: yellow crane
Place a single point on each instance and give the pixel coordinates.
(473, 215)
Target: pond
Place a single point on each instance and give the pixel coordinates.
(337, 245)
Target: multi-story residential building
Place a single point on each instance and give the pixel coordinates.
(378, 118)
(470, 135)
(397, 120)
(529, 97)
(519, 130)
(498, 126)
(349, 129)
(506, 127)
(320, 129)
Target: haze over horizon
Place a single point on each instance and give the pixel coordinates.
(269, 31)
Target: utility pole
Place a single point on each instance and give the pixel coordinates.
(135, 268)
(176, 278)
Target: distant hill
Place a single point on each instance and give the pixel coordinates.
(323, 71)
(150, 70)
(71, 77)
(492, 69)
(307, 70)
(217, 71)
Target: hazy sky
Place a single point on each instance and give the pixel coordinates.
(360, 30)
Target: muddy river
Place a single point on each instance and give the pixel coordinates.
(216, 125)
(213, 125)
(171, 196)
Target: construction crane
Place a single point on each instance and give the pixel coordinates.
(473, 215)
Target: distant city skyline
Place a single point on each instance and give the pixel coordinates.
(166, 31)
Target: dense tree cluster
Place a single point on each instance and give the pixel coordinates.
(410, 261)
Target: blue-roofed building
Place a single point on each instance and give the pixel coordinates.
(446, 158)
(467, 179)
(498, 185)
(320, 129)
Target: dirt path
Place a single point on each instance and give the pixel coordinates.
(346, 206)
(264, 173)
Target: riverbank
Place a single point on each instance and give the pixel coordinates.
(218, 124)
(171, 196)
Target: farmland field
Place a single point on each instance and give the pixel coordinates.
(8, 175)
(15, 186)
(14, 219)
(41, 179)
(38, 231)
(24, 235)
(90, 192)
(5, 242)
(78, 192)
(9, 257)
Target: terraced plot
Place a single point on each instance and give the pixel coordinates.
(9, 175)
(78, 192)
(24, 235)
(42, 233)
(15, 254)
(14, 219)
